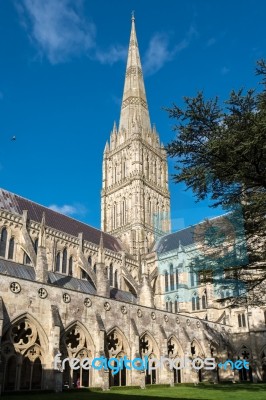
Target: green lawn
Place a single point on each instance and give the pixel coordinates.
(206, 392)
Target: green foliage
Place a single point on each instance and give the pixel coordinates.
(220, 152)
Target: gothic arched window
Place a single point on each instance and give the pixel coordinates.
(166, 283)
(11, 249)
(172, 284)
(170, 306)
(124, 211)
(124, 169)
(195, 302)
(116, 279)
(114, 216)
(70, 266)
(114, 177)
(26, 259)
(58, 262)
(193, 278)
(192, 281)
(204, 300)
(176, 278)
(150, 211)
(198, 302)
(95, 268)
(89, 261)
(111, 276)
(36, 244)
(241, 320)
(64, 261)
(3, 242)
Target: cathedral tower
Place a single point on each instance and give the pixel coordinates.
(135, 200)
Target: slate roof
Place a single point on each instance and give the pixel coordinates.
(16, 270)
(185, 237)
(16, 204)
(171, 241)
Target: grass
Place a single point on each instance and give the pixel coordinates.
(200, 392)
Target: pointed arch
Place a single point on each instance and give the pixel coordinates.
(76, 342)
(64, 261)
(3, 242)
(174, 347)
(75, 338)
(111, 274)
(196, 348)
(116, 279)
(11, 248)
(19, 318)
(58, 262)
(70, 266)
(36, 245)
(24, 345)
(82, 327)
(151, 347)
(117, 346)
(126, 345)
(204, 300)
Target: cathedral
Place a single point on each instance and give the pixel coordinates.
(129, 289)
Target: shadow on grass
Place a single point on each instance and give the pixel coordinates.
(234, 387)
(181, 392)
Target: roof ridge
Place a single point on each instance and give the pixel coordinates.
(57, 212)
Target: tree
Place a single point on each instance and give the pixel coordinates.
(220, 151)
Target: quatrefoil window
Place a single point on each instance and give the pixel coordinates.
(42, 293)
(87, 302)
(15, 287)
(66, 298)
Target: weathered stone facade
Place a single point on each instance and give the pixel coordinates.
(67, 287)
(135, 171)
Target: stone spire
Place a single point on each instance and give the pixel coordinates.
(134, 104)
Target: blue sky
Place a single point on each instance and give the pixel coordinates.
(62, 67)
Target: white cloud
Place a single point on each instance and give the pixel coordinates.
(57, 28)
(159, 53)
(67, 209)
(112, 55)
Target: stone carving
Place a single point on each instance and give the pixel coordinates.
(15, 287)
(87, 302)
(66, 298)
(123, 309)
(42, 293)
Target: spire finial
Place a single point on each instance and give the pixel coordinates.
(132, 15)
